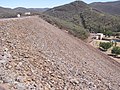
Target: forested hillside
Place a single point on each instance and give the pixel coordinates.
(108, 7)
(84, 15)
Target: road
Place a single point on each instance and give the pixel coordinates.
(4, 19)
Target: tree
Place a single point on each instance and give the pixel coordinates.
(116, 50)
(117, 35)
(105, 45)
(108, 33)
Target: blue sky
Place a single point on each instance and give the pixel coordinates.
(40, 3)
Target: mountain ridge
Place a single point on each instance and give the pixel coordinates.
(108, 7)
(8, 12)
(83, 14)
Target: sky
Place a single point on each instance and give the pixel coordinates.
(40, 3)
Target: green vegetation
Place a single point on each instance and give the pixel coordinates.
(8, 15)
(112, 8)
(85, 16)
(116, 50)
(105, 45)
(101, 22)
(72, 28)
(108, 33)
(77, 17)
(115, 43)
(117, 35)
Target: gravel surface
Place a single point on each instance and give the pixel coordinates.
(35, 55)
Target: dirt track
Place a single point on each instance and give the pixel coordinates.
(35, 55)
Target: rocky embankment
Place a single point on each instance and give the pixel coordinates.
(35, 55)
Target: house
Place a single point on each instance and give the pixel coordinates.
(27, 13)
(98, 36)
(18, 15)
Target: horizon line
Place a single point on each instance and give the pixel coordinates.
(54, 6)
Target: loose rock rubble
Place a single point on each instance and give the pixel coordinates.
(35, 55)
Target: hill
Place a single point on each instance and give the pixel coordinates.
(69, 12)
(108, 7)
(39, 9)
(35, 55)
(10, 13)
(21, 9)
(84, 15)
(73, 29)
(6, 12)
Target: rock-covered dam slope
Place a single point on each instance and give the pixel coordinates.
(35, 55)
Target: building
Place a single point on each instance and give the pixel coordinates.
(18, 15)
(98, 36)
(27, 13)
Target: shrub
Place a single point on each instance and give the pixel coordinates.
(105, 45)
(108, 33)
(116, 50)
(75, 30)
(8, 15)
